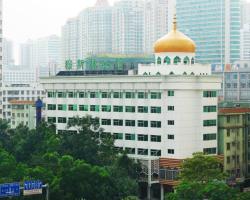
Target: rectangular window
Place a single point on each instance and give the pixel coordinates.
(83, 95)
(61, 94)
(106, 122)
(155, 109)
(117, 95)
(83, 108)
(155, 124)
(209, 123)
(155, 138)
(130, 150)
(170, 108)
(51, 119)
(210, 136)
(209, 150)
(228, 119)
(228, 146)
(155, 95)
(118, 136)
(171, 137)
(141, 123)
(129, 136)
(130, 109)
(94, 95)
(106, 95)
(106, 108)
(143, 152)
(51, 94)
(95, 108)
(72, 95)
(142, 95)
(130, 123)
(62, 120)
(130, 95)
(142, 109)
(209, 94)
(51, 107)
(209, 108)
(170, 122)
(59, 107)
(72, 107)
(170, 93)
(228, 159)
(118, 122)
(170, 151)
(142, 138)
(154, 152)
(117, 108)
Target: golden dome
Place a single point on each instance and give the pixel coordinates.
(175, 41)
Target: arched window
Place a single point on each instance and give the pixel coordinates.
(192, 73)
(171, 73)
(186, 60)
(185, 73)
(145, 74)
(158, 60)
(192, 61)
(158, 74)
(167, 60)
(177, 60)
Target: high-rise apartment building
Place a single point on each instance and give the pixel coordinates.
(157, 21)
(214, 26)
(127, 27)
(8, 59)
(1, 55)
(245, 12)
(94, 29)
(245, 42)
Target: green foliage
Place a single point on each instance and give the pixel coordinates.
(83, 165)
(244, 196)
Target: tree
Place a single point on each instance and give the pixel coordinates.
(202, 168)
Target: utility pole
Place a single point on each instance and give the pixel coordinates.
(47, 191)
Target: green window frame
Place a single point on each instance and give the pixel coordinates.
(207, 123)
(155, 95)
(117, 122)
(51, 119)
(51, 94)
(95, 108)
(130, 123)
(209, 108)
(117, 108)
(143, 152)
(155, 152)
(171, 93)
(106, 122)
(143, 138)
(106, 108)
(170, 137)
(142, 95)
(130, 109)
(61, 94)
(106, 95)
(118, 136)
(62, 120)
(142, 109)
(209, 94)
(62, 107)
(117, 95)
(129, 95)
(72, 107)
(155, 124)
(83, 95)
(155, 138)
(142, 123)
(129, 136)
(155, 109)
(209, 136)
(94, 95)
(51, 107)
(208, 151)
(83, 108)
(72, 95)
(130, 151)
(170, 108)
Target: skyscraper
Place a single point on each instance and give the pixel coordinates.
(157, 21)
(214, 26)
(245, 42)
(127, 27)
(8, 59)
(245, 12)
(1, 57)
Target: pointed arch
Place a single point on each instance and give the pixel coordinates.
(192, 73)
(158, 74)
(177, 60)
(186, 60)
(171, 73)
(192, 61)
(185, 73)
(145, 74)
(159, 60)
(167, 60)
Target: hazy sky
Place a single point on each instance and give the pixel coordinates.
(24, 19)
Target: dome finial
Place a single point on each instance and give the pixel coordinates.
(175, 20)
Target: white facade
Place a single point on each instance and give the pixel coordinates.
(245, 12)
(127, 27)
(8, 59)
(157, 21)
(245, 42)
(19, 92)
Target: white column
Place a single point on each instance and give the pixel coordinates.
(162, 192)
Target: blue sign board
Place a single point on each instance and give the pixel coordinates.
(32, 187)
(9, 190)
